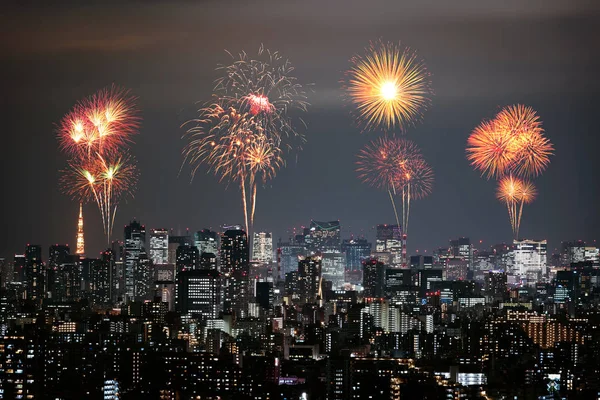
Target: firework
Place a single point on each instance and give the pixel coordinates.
(101, 123)
(240, 136)
(389, 86)
(264, 89)
(515, 193)
(397, 166)
(102, 179)
(512, 143)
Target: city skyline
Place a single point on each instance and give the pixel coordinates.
(461, 204)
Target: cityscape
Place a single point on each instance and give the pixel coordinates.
(214, 202)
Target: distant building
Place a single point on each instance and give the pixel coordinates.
(530, 257)
(135, 246)
(207, 241)
(262, 247)
(356, 250)
(199, 294)
(309, 279)
(323, 237)
(462, 248)
(188, 258)
(235, 267)
(34, 273)
(159, 246)
(373, 278)
(174, 243)
(287, 256)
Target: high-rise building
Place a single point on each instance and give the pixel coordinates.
(462, 248)
(159, 246)
(572, 252)
(188, 258)
(100, 277)
(118, 277)
(495, 285)
(235, 267)
(390, 240)
(174, 243)
(58, 257)
(34, 273)
(80, 241)
(135, 245)
(530, 257)
(262, 247)
(199, 293)
(323, 237)
(374, 276)
(356, 250)
(287, 256)
(333, 268)
(19, 263)
(207, 241)
(309, 279)
(208, 261)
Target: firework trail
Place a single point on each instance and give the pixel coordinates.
(95, 135)
(397, 166)
(515, 193)
(389, 86)
(102, 179)
(241, 136)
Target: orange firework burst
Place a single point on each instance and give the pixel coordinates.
(418, 176)
(103, 122)
(515, 193)
(389, 86)
(512, 143)
(102, 179)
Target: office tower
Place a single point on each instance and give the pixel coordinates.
(495, 285)
(456, 269)
(373, 278)
(287, 256)
(333, 268)
(207, 241)
(159, 246)
(264, 294)
(118, 277)
(592, 255)
(99, 279)
(174, 243)
(188, 258)
(208, 261)
(235, 267)
(462, 248)
(389, 239)
(199, 293)
(80, 242)
(58, 257)
(34, 273)
(323, 237)
(572, 252)
(421, 261)
(262, 247)
(309, 279)
(6, 273)
(356, 250)
(135, 244)
(19, 263)
(143, 277)
(530, 257)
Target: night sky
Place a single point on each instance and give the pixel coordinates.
(482, 55)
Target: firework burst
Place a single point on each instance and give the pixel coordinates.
(103, 122)
(241, 135)
(389, 86)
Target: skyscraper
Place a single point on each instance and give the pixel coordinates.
(135, 243)
(287, 256)
(58, 258)
(34, 273)
(235, 267)
(462, 248)
(159, 246)
(389, 239)
(174, 243)
(199, 294)
(355, 250)
(207, 241)
(309, 279)
(80, 242)
(530, 257)
(374, 278)
(262, 247)
(188, 258)
(323, 237)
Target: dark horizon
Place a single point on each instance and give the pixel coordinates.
(481, 58)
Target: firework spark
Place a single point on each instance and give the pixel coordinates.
(104, 122)
(241, 135)
(515, 193)
(389, 86)
(102, 179)
(512, 143)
